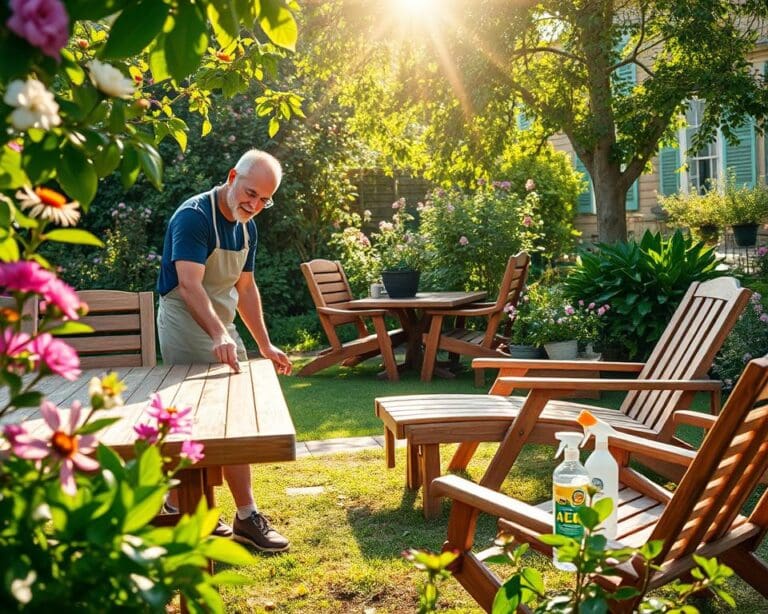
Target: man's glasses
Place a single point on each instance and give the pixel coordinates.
(266, 203)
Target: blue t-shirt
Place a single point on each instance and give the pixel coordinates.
(190, 237)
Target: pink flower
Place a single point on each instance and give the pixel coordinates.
(591, 306)
(527, 221)
(481, 181)
(64, 297)
(764, 318)
(12, 344)
(762, 251)
(42, 23)
(530, 185)
(581, 302)
(59, 357)
(12, 433)
(24, 276)
(601, 311)
(192, 450)
(147, 432)
(63, 445)
(450, 208)
(569, 310)
(170, 418)
(463, 240)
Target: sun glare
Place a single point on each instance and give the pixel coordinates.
(416, 8)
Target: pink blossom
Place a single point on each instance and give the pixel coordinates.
(463, 240)
(481, 181)
(530, 185)
(386, 226)
(762, 251)
(527, 221)
(591, 306)
(764, 318)
(569, 310)
(756, 298)
(170, 418)
(15, 145)
(505, 185)
(42, 23)
(24, 276)
(62, 444)
(147, 432)
(12, 343)
(64, 297)
(363, 239)
(581, 302)
(12, 432)
(450, 208)
(59, 357)
(192, 450)
(601, 311)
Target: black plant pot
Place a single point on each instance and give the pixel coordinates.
(401, 284)
(745, 235)
(710, 234)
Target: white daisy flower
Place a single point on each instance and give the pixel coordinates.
(35, 105)
(48, 204)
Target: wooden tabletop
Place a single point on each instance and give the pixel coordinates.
(422, 300)
(240, 417)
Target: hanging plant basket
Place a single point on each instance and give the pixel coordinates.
(401, 284)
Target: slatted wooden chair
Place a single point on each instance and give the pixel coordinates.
(123, 329)
(460, 340)
(668, 381)
(703, 515)
(329, 288)
(28, 314)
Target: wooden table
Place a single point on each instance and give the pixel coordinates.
(241, 418)
(411, 312)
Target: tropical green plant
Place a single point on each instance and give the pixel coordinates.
(590, 556)
(643, 282)
(747, 340)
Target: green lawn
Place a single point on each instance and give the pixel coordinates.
(347, 539)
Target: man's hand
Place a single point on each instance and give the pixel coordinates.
(278, 358)
(225, 350)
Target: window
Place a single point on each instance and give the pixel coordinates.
(703, 165)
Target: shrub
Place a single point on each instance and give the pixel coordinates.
(747, 340)
(696, 211)
(643, 283)
(747, 205)
(472, 235)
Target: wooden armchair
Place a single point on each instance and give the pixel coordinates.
(329, 288)
(460, 340)
(675, 371)
(702, 516)
(123, 329)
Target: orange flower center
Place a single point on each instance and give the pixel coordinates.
(9, 314)
(65, 445)
(171, 409)
(224, 57)
(51, 198)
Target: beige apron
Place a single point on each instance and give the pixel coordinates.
(182, 340)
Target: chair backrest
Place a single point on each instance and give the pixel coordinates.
(687, 347)
(29, 313)
(723, 474)
(513, 282)
(123, 329)
(329, 287)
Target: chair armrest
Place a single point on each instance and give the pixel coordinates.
(557, 365)
(492, 502)
(575, 383)
(656, 449)
(475, 309)
(333, 311)
(693, 418)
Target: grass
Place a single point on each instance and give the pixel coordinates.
(347, 540)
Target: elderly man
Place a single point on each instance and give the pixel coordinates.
(205, 277)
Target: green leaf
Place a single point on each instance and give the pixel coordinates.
(117, 117)
(135, 28)
(27, 399)
(39, 159)
(157, 62)
(274, 126)
(588, 517)
(69, 327)
(186, 43)
(278, 23)
(625, 592)
(109, 459)
(13, 381)
(97, 425)
(508, 597)
(594, 605)
(76, 175)
(88, 9)
(226, 551)
(225, 20)
(107, 158)
(603, 507)
(11, 173)
(129, 167)
(9, 250)
(178, 129)
(230, 578)
(556, 540)
(144, 510)
(73, 235)
(150, 467)
(152, 164)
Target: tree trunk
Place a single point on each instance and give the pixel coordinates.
(610, 199)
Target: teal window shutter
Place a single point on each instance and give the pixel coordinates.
(633, 197)
(624, 77)
(524, 122)
(584, 201)
(740, 158)
(669, 178)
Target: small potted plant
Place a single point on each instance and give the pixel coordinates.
(401, 250)
(523, 318)
(562, 329)
(747, 209)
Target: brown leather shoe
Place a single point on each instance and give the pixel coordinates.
(256, 531)
(222, 529)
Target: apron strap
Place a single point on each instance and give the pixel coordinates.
(212, 198)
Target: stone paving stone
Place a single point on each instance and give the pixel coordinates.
(306, 490)
(341, 444)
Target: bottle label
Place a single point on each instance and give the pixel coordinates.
(598, 484)
(567, 500)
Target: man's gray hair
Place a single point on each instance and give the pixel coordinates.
(257, 156)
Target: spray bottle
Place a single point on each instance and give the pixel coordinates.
(569, 491)
(602, 468)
